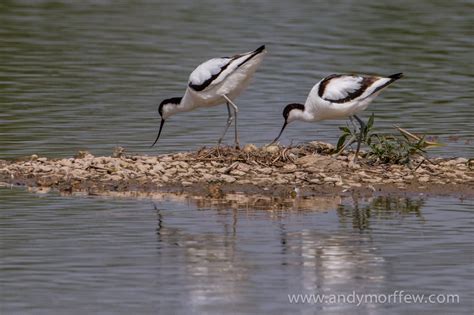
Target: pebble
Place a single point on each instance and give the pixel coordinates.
(289, 167)
(265, 170)
(237, 173)
(424, 179)
(243, 167)
(332, 179)
(228, 179)
(271, 149)
(248, 148)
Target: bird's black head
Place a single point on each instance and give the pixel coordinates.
(174, 101)
(289, 108)
(166, 109)
(287, 115)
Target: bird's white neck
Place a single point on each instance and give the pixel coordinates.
(301, 115)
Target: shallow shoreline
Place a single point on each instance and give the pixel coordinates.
(310, 170)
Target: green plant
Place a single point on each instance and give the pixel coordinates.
(353, 134)
(395, 150)
(400, 149)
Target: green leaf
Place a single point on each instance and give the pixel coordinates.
(345, 129)
(341, 141)
(370, 123)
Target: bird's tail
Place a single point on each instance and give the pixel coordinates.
(396, 76)
(259, 49)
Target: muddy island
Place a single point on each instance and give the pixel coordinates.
(310, 169)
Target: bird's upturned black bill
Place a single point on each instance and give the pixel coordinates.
(282, 128)
(159, 132)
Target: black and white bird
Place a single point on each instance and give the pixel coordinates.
(338, 96)
(214, 82)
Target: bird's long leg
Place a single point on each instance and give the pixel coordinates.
(236, 110)
(351, 140)
(361, 130)
(230, 118)
(348, 143)
(352, 122)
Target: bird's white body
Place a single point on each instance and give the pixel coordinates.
(216, 78)
(214, 82)
(339, 97)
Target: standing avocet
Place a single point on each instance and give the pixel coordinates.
(216, 81)
(338, 96)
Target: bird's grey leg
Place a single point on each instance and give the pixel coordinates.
(361, 130)
(236, 110)
(230, 118)
(351, 140)
(348, 143)
(352, 122)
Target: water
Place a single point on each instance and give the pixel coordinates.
(124, 256)
(90, 74)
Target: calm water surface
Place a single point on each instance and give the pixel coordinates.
(121, 256)
(78, 75)
(90, 74)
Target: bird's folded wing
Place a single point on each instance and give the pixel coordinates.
(344, 88)
(216, 70)
(208, 73)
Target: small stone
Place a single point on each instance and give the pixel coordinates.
(353, 165)
(180, 164)
(141, 168)
(222, 170)
(207, 177)
(331, 179)
(237, 173)
(243, 167)
(280, 181)
(186, 183)
(171, 171)
(271, 149)
(300, 175)
(166, 158)
(454, 162)
(158, 168)
(423, 179)
(322, 146)
(228, 179)
(42, 159)
(248, 148)
(265, 170)
(308, 160)
(289, 167)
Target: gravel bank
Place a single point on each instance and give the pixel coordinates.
(274, 170)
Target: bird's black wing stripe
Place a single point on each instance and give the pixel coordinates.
(393, 78)
(205, 84)
(254, 53)
(366, 82)
(324, 83)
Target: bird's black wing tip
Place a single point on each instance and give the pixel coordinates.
(396, 76)
(260, 49)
